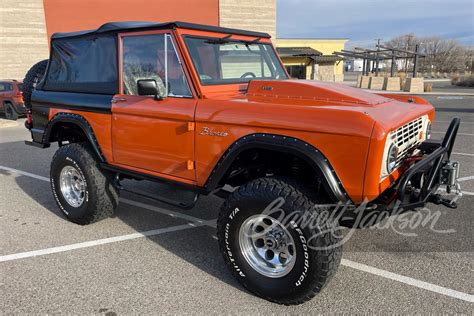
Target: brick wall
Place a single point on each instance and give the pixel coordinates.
(254, 15)
(23, 40)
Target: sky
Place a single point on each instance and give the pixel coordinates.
(362, 21)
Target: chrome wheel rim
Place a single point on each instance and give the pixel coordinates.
(72, 185)
(267, 246)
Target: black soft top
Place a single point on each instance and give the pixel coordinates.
(113, 27)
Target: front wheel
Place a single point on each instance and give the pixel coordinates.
(83, 192)
(274, 244)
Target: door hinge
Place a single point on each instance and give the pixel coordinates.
(115, 100)
(191, 126)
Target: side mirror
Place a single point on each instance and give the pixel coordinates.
(148, 87)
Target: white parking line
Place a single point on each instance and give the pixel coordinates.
(97, 242)
(407, 280)
(462, 122)
(199, 222)
(463, 154)
(31, 175)
(466, 178)
(462, 134)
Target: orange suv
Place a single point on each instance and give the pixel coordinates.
(11, 100)
(212, 110)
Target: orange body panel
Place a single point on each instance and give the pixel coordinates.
(101, 125)
(163, 138)
(313, 125)
(154, 135)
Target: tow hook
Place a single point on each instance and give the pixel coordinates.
(449, 177)
(438, 199)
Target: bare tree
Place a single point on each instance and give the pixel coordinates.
(406, 42)
(442, 55)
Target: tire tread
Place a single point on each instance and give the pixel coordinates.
(105, 196)
(270, 187)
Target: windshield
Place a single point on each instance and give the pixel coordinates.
(220, 61)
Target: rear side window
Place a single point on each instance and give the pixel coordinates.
(20, 87)
(5, 86)
(86, 65)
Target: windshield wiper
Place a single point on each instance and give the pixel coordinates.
(228, 39)
(221, 40)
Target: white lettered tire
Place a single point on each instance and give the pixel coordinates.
(274, 254)
(83, 192)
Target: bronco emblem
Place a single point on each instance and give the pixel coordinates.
(206, 131)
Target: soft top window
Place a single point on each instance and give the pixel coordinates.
(85, 64)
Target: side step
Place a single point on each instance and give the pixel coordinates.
(181, 205)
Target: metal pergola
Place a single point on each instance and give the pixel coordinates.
(382, 53)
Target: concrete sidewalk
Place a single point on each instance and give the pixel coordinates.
(4, 123)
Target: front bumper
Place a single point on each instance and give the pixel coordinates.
(426, 175)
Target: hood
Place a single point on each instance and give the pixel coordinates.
(313, 106)
(312, 91)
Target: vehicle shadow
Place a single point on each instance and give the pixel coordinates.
(196, 246)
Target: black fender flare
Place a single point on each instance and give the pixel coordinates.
(286, 144)
(82, 123)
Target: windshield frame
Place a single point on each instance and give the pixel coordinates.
(226, 40)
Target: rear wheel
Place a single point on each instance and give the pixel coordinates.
(83, 192)
(10, 112)
(272, 251)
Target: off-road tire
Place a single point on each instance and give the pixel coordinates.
(101, 196)
(32, 78)
(322, 252)
(10, 112)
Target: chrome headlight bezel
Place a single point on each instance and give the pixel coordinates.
(392, 158)
(428, 130)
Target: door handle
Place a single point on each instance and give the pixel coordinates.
(115, 100)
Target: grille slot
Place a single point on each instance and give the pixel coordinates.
(407, 137)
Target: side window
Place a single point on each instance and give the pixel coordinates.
(2, 86)
(153, 57)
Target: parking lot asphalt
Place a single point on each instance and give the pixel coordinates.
(152, 258)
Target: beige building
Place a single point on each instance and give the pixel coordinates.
(24, 25)
(23, 39)
(312, 58)
(255, 15)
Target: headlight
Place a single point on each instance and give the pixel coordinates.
(428, 130)
(392, 158)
